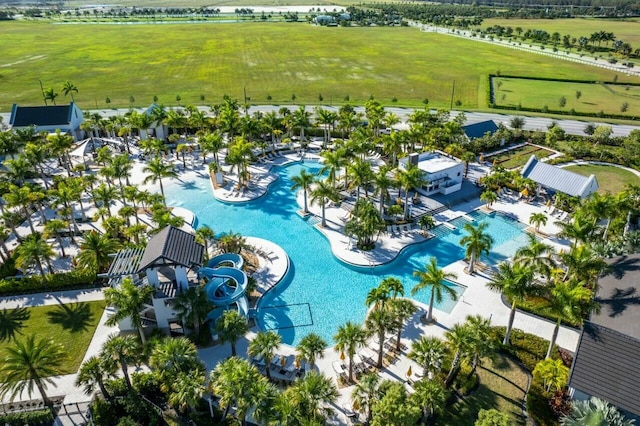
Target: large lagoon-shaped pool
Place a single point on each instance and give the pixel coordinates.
(320, 292)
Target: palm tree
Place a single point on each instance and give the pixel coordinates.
(21, 197)
(172, 356)
(378, 322)
(481, 343)
(312, 396)
(265, 345)
(361, 175)
(28, 363)
(411, 177)
(579, 230)
(266, 407)
(128, 300)
(68, 88)
(458, 339)
(535, 255)
(402, 310)
(186, 390)
(300, 119)
(158, 170)
(310, 348)
(95, 250)
(52, 229)
(431, 396)
(366, 393)
(93, 372)
(428, 351)
(568, 300)
(515, 281)
(477, 242)
(321, 194)
(594, 412)
(192, 307)
(537, 219)
(123, 350)
(303, 181)
(205, 235)
(50, 95)
(333, 161)
(231, 326)
(583, 264)
(382, 183)
(34, 250)
(348, 339)
(234, 381)
(434, 277)
(489, 197)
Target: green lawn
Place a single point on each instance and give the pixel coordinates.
(518, 157)
(71, 325)
(277, 59)
(502, 386)
(627, 30)
(610, 179)
(593, 97)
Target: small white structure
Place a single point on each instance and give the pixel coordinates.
(50, 119)
(556, 179)
(442, 172)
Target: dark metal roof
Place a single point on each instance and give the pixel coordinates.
(52, 115)
(478, 130)
(607, 361)
(172, 246)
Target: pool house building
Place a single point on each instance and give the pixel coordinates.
(556, 179)
(443, 173)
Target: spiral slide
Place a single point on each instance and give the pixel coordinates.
(226, 285)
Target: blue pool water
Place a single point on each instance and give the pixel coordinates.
(320, 293)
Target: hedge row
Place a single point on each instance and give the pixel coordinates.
(529, 349)
(32, 418)
(563, 80)
(50, 282)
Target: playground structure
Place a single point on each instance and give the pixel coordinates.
(226, 285)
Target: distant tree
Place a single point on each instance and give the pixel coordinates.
(68, 89)
(562, 102)
(578, 94)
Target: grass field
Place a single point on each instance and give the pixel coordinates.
(518, 157)
(627, 30)
(71, 325)
(502, 386)
(610, 179)
(215, 3)
(594, 98)
(190, 60)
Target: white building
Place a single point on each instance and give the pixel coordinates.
(442, 172)
(556, 179)
(50, 119)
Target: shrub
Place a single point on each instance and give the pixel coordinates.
(32, 418)
(36, 283)
(8, 268)
(538, 406)
(529, 349)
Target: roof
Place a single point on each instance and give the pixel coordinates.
(172, 246)
(478, 130)
(607, 361)
(125, 262)
(436, 162)
(51, 115)
(559, 179)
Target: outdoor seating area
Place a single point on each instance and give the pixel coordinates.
(283, 369)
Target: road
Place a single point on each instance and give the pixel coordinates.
(572, 127)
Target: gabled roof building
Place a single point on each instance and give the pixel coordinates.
(478, 130)
(50, 118)
(556, 179)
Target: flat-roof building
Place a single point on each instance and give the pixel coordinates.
(442, 172)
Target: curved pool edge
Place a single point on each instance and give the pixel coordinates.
(274, 265)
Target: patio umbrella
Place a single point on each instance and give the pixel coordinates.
(342, 356)
(409, 372)
(297, 363)
(283, 361)
(355, 405)
(525, 192)
(548, 203)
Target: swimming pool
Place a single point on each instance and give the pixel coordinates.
(321, 293)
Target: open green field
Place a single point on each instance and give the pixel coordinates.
(518, 157)
(610, 179)
(594, 98)
(71, 325)
(502, 386)
(210, 60)
(215, 3)
(627, 30)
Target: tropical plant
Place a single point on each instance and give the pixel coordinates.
(158, 170)
(594, 412)
(192, 307)
(489, 197)
(411, 177)
(402, 310)
(34, 250)
(458, 339)
(552, 373)
(68, 88)
(265, 344)
(128, 301)
(366, 393)
(28, 363)
(492, 417)
(303, 181)
(93, 372)
(378, 322)
(310, 348)
(536, 255)
(230, 327)
(348, 339)
(123, 350)
(365, 224)
(312, 397)
(321, 193)
(477, 242)
(434, 277)
(95, 250)
(431, 396)
(481, 342)
(395, 407)
(537, 219)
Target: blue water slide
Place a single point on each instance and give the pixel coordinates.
(235, 259)
(218, 290)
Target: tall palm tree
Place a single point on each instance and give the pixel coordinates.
(104, 194)
(192, 307)
(428, 351)
(123, 350)
(431, 396)
(186, 390)
(52, 229)
(158, 170)
(310, 348)
(265, 345)
(28, 363)
(313, 396)
(333, 161)
(172, 356)
(234, 381)
(579, 230)
(583, 264)
(366, 393)
(378, 322)
(34, 250)
(361, 175)
(23, 198)
(515, 281)
(537, 220)
(382, 182)
(535, 255)
(266, 407)
(301, 120)
(402, 310)
(93, 372)
(434, 277)
(477, 242)
(321, 194)
(458, 339)
(303, 181)
(128, 300)
(481, 343)
(231, 326)
(95, 250)
(411, 177)
(489, 197)
(568, 300)
(348, 339)
(68, 88)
